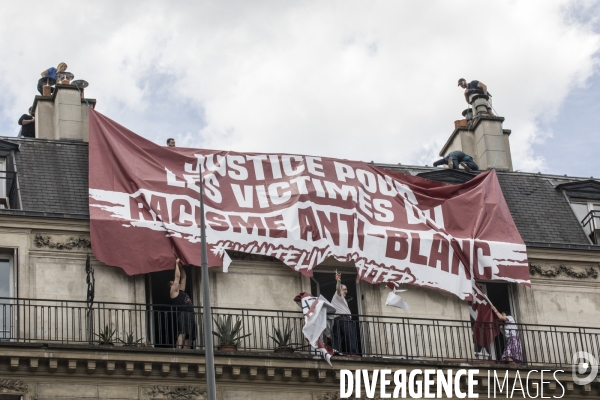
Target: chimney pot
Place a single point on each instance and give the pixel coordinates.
(460, 122)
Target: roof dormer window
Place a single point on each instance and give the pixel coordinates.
(584, 197)
(588, 214)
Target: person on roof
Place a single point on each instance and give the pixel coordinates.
(50, 73)
(186, 321)
(27, 122)
(171, 142)
(474, 87)
(456, 157)
(344, 331)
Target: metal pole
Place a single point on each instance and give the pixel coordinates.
(209, 350)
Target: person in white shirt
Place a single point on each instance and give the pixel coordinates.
(513, 350)
(344, 329)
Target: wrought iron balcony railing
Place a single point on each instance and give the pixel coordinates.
(591, 225)
(72, 322)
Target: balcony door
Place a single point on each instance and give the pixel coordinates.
(162, 329)
(324, 283)
(500, 294)
(7, 291)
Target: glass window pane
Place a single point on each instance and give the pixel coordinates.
(581, 210)
(2, 179)
(5, 309)
(4, 278)
(596, 207)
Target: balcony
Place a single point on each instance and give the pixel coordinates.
(591, 225)
(378, 337)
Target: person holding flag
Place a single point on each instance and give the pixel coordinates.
(344, 331)
(513, 350)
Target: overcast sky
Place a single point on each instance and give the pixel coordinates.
(371, 81)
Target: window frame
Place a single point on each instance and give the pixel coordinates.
(10, 255)
(591, 204)
(3, 177)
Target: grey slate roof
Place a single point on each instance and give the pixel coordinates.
(541, 213)
(53, 177)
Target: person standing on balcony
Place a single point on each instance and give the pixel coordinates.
(513, 350)
(50, 73)
(344, 331)
(184, 309)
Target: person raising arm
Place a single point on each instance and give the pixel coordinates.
(186, 324)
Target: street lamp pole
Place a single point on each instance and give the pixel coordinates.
(209, 351)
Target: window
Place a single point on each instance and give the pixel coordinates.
(588, 214)
(2, 181)
(162, 326)
(6, 292)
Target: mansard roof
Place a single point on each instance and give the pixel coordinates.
(53, 176)
(53, 179)
(541, 213)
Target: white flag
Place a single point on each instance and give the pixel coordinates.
(396, 301)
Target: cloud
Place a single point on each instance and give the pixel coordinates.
(348, 79)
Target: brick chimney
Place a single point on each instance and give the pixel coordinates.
(62, 116)
(481, 136)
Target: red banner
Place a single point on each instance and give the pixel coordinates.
(144, 209)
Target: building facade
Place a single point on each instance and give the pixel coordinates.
(50, 327)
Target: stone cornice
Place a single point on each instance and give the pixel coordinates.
(69, 360)
(563, 255)
(44, 223)
(180, 374)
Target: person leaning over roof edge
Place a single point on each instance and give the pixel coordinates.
(27, 122)
(474, 87)
(171, 142)
(50, 73)
(458, 157)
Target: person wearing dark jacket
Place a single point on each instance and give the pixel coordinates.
(456, 157)
(184, 309)
(475, 87)
(27, 122)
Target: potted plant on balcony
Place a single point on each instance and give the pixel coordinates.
(282, 340)
(228, 333)
(130, 340)
(105, 337)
